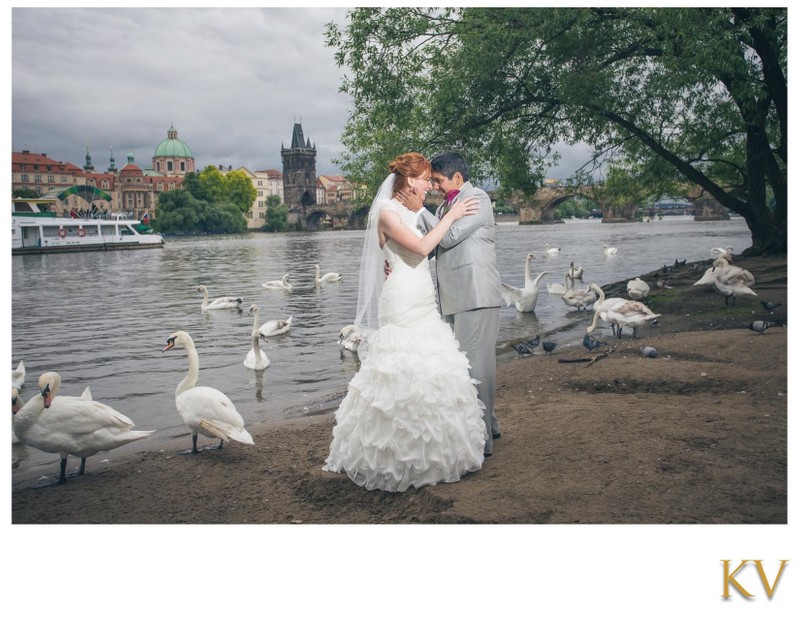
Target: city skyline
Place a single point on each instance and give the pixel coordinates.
(232, 82)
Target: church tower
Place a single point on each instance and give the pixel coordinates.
(299, 171)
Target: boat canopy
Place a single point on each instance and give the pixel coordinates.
(88, 192)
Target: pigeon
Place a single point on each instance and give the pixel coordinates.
(522, 349)
(548, 346)
(769, 305)
(648, 352)
(760, 326)
(533, 342)
(591, 344)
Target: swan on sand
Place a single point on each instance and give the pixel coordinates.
(205, 410)
(77, 426)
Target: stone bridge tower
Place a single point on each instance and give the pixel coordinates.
(299, 171)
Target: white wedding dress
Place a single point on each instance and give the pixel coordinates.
(411, 416)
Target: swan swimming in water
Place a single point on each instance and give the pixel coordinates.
(609, 250)
(575, 272)
(580, 299)
(524, 299)
(18, 376)
(222, 303)
(638, 289)
(205, 410)
(76, 426)
(551, 250)
(327, 277)
(275, 327)
(256, 359)
(558, 288)
(350, 337)
(278, 284)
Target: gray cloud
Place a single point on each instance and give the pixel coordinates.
(231, 81)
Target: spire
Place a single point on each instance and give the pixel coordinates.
(297, 136)
(88, 167)
(111, 166)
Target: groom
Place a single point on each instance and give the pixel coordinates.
(467, 280)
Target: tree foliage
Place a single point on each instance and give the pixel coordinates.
(179, 212)
(692, 97)
(277, 217)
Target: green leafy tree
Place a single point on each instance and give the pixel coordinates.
(240, 191)
(277, 217)
(179, 212)
(213, 183)
(672, 97)
(24, 193)
(193, 185)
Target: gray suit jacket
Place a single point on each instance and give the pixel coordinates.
(466, 263)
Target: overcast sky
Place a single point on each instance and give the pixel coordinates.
(232, 82)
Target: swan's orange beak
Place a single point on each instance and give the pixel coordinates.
(169, 345)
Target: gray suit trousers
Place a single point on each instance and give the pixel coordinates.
(476, 332)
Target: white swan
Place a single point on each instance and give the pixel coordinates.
(707, 279)
(256, 359)
(609, 250)
(350, 337)
(275, 327)
(580, 299)
(551, 250)
(558, 288)
(638, 289)
(575, 272)
(626, 314)
(717, 251)
(278, 284)
(602, 305)
(205, 410)
(524, 299)
(732, 281)
(327, 277)
(222, 303)
(18, 376)
(74, 426)
(16, 405)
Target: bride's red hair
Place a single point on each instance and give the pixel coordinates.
(408, 166)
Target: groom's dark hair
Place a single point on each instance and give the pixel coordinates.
(450, 163)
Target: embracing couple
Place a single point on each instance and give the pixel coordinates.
(420, 410)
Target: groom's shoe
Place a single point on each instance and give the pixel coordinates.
(496, 435)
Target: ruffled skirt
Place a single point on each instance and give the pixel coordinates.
(411, 416)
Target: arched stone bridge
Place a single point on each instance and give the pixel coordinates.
(541, 211)
(547, 200)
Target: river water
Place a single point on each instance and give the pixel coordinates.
(102, 318)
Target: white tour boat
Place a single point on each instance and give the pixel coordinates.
(34, 229)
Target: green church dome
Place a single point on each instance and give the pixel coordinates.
(172, 146)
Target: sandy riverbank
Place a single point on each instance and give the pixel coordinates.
(696, 435)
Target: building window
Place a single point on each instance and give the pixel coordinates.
(51, 178)
(183, 166)
(158, 166)
(104, 185)
(169, 166)
(64, 179)
(160, 187)
(24, 178)
(37, 178)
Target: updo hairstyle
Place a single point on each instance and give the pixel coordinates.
(408, 166)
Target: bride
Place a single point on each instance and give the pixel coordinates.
(411, 416)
